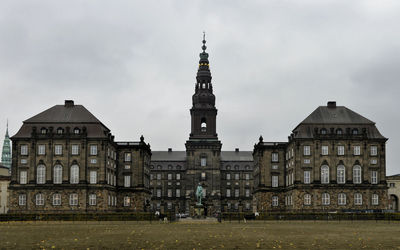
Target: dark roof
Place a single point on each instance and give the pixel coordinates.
(336, 115)
(393, 177)
(236, 156)
(168, 156)
(64, 114)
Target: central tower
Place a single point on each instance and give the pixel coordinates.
(203, 149)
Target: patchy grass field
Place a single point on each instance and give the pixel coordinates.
(208, 235)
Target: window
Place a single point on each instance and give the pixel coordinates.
(374, 177)
(307, 199)
(374, 150)
(127, 181)
(203, 161)
(93, 149)
(57, 174)
(169, 193)
(323, 131)
(307, 150)
(228, 193)
(158, 176)
(357, 150)
(339, 131)
(56, 199)
(274, 157)
(274, 167)
(325, 174)
(237, 192)
(357, 174)
(127, 157)
(307, 161)
(24, 149)
(169, 177)
(375, 199)
(22, 199)
(73, 199)
(274, 181)
(74, 178)
(275, 201)
(41, 149)
(204, 193)
(307, 176)
(43, 131)
(77, 131)
(341, 174)
(355, 131)
(340, 150)
(203, 125)
(342, 199)
(178, 193)
(237, 176)
(247, 206)
(127, 201)
(92, 199)
(247, 177)
(326, 199)
(60, 131)
(158, 193)
(75, 149)
(228, 176)
(373, 161)
(41, 174)
(203, 175)
(392, 185)
(58, 149)
(39, 199)
(93, 177)
(247, 192)
(324, 150)
(357, 199)
(178, 176)
(23, 177)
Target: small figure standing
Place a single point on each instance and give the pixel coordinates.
(199, 194)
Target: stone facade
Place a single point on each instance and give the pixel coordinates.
(393, 183)
(4, 192)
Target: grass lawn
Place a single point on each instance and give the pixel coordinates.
(207, 235)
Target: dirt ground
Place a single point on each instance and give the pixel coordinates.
(197, 235)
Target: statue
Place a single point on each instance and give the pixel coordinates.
(199, 194)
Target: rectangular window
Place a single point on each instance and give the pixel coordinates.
(39, 200)
(74, 149)
(203, 161)
(58, 149)
(127, 167)
(169, 177)
(307, 178)
(247, 192)
(41, 149)
(127, 181)
(23, 177)
(307, 199)
(342, 199)
(24, 149)
(374, 150)
(340, 150)
(274, 181)
(228, 193)
(392, 185)
(375, 199)
(203, 176)
(93, 149)
(307, 161)
(274, 166)
(127, 201)
(228, 176)
(275, 200)
(237, 192)
(93, 161)
(22, 199)
(158, 193)
(237, 176)
(374, 177)
(178, 193)
(56, 199)
(24, 161)
(324, 150)
(93, 177)
(357, 199)
(73, 199)
(158, 176)
(357, 150)
(274, 157)
(169, 193)
(306, 150)
(247, 177)
(92, 199)
(178, 177)
(373, 161)
(127, 157)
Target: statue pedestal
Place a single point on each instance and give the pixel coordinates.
(199, 211)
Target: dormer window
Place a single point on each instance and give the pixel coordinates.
(339, 131)
(323, 131)
(43, 131)
(355, 131)
(60, 131)
(77, 131)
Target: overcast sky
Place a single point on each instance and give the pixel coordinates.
(133, 64)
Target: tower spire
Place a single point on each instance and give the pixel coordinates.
(6, 152)
(7, 130)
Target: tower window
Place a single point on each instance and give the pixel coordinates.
(203, 125)
(203, 85)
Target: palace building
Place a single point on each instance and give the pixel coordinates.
(66, 160)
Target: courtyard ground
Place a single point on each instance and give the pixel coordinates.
(201, 235)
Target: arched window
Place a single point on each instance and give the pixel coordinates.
(39, 199)
(307, 199)
(341, 174)
(77, 131)
(326, 199)
(357, 174)
(43, 131)
(41, 174)
(56, 199)
(355, 131)
(342, 199)
(203, 125)
(323, 131)
(203, 85)
(60, 131)
(57, 174)
(325, 174)
(339, 131)
(74, 174)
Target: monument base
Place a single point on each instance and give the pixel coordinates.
(199, 211)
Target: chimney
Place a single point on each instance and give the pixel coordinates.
(169, 149)
(69, 103)
(236, 150)
(332, 104)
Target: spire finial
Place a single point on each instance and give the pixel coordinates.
(7, 128)
(204, 47)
